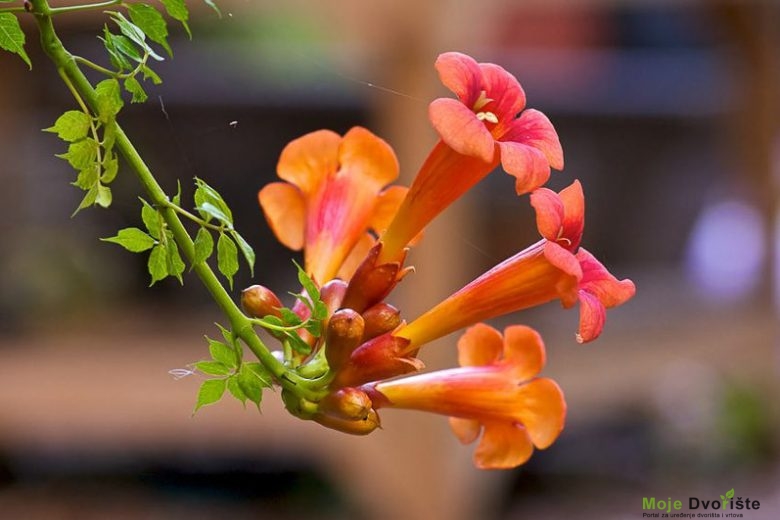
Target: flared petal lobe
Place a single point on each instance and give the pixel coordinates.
(598, 290)
(333, 198)
(490, 107)
(495, 393)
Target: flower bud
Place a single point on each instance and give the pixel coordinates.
(346, 403)
(356, 427)
(379, 319)
(371, 283)
(343, 335)
(259, 301)
(332, 294)
(380, 358)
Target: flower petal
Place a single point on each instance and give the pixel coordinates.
(386, 207)
(573, 214)
(526, 164)
(563, 259)
(459, 127)
(600, 282)
(523, 352)
(356, 256)
(461, 74)
(503, 445)
(309, 160)
(549, 212)
(285, 211)
(542, 409)
(535, 129)
(593, 314)
(368, 156)
(466, 430)
(480, 345)
(505, 91)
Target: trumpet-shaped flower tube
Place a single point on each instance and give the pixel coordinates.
(553, 268)
(486, 126)
(333, 196)
(495, 392)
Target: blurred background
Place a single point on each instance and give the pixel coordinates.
(668, 112)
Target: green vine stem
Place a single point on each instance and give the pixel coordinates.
(240, 323)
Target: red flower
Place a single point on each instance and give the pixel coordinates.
(478, 131)
(543, 272)
(487, 121)
(494, 391)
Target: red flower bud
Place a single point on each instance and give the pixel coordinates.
(259, 301)
(343, 335)
(371, 283)
(346, 403)
(379, 319)
(379, 358)
(332, 294)
(354, 427)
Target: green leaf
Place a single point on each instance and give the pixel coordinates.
(88, 200)
(251, 384)
(210, 392)
(88, 177)
(177, 10)
(235, 390)
(152, 219)
(261, 373)
(158, 263)
(118, 59)
(104, 197)
(132, 239)
(110, 168)
(126, 46)
(134, 87)
(109, 137)
(730, 493)
(81, 154)
(308, 284)
(71, 126)
(208, 211)
(150, 74)
(175, 263)
(297, 344)
(211, 4)
(230, 340)
(151, 22)
(212, 368)
(222, 353)
(227, 257)
(246, 250)
(206, 194)
(12, 36)
(133, 32)
(204, 246)
(109, 99)
(177, 198)
(289, 318)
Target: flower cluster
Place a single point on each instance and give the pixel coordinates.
(355, 230)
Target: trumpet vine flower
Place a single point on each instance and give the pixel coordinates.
(495, 392)
(333, 196)
(484, 127)
(553, 268)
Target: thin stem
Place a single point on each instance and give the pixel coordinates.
(241, 324)
(83, 7)
(196, 219)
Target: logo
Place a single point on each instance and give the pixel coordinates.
(726, 507)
